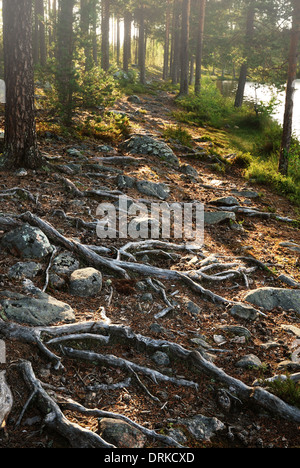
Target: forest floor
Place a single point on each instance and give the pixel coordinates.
(245, 425)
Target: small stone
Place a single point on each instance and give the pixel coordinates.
(121, 434)
(244, 312)
(24, 270)
(217, 217)
(86, 282)
(161, 359)
(249, 361)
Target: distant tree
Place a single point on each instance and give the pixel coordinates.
(20, 142)
(290, 88)
(185, 35)
(199, 49)
(250, 16)
(105, 35)
(64, 55)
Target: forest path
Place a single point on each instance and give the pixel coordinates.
(64, 195)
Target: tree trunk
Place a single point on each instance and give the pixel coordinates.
(20, 143)
(105, 35)
(64, 69)
(184, 80)
(142, 55)
(202, 7)
(176, 42)
(167, 42)
(289, 102)
(244, 68)
(85, 20)
(127, 41)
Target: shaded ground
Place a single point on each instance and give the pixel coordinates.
(259, 238)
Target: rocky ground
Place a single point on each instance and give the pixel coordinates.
(230, 321)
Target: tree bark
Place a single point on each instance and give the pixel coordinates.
(64, 72)
(244, 68)
(142, 55)
(202, 7)
(105, 35)
(127, 40)
(20, 143)
(184, 80)
(167, 42)
(290, 89)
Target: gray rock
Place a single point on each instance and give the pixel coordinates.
(189, 171)
(246, 193)
(193, 308)
(64, 264)
(124, 181)
(143, 144)
(225, 201)
(24, 270)
(236, 330)
(249, 361)
(152, 189)
(27, 242)
(202, 427)
(121, 434)
(147, 297)
(86, 282)
(38, 311)
(160, 358)
(244, 311)
(270, 298)
(292, 329)
(217, 217)
(289, 281)
(134, 99)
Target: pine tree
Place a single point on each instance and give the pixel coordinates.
(20, 143)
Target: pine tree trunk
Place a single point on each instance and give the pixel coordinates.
(184, 80)
(176, 42)
(202, 6)
(247, 48)
(167, 42)
(290, 89)
(105, 35)
(127, 40)
(142, 55)
(64, 69)
(20, 143)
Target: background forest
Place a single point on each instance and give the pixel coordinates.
(88, 52)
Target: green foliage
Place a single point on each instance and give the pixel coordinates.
(96, 88)
(287, 390)
(179, 134)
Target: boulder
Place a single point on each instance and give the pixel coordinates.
(86, 282)
(143, 144)
(152, 189)
(249, 361)
(217, 217)
(27, 242)
(244, 311)
(121, 434)
(202, 427)
(225, 201)
(42, 310)
(270, 298)
(24, 270)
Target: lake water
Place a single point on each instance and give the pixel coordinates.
(264, 93)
